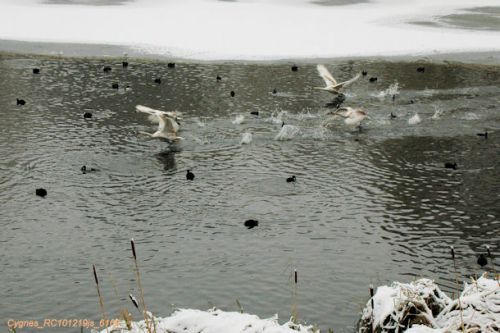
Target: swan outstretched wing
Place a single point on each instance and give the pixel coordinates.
(348, 82)
(326, 75)
(148, 110)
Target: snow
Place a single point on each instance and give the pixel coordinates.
(213, 321)
(250, 29)
(421, 307)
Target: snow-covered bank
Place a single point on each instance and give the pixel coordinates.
(253, 30)
(416, 307)
(213, 321)
(421, 307)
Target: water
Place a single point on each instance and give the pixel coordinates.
(369, 207)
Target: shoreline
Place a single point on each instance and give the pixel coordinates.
(17, 48)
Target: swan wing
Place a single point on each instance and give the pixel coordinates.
(148, 110)
(168, 125)
(326, 75)
(348, 82)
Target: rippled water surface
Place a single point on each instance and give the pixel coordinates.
(369, 207)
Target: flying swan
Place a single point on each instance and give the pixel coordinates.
(167, 123)
(331, 84)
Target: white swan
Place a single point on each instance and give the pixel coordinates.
(167, 123)
(352, 117)
(331, 84)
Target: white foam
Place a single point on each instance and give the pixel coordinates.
(287, 132)
(239, 119)
(249, 29)
(414, 120)
(246, 138)
(392, 90)
(438, 112)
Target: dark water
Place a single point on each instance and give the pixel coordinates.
(368, 207)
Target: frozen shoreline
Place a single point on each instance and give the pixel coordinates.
(18, 49)
(250, 30)
(416, 307)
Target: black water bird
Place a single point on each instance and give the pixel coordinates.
(87, 115)
(232, 93)
(41, 192)
(421, 69)
(254, 113)
(171, 65)
(125, 64)
(412, 101)
(481, 260)
(134, 301)
(373, 79)
(189, 175)
(393, 116)
(393, 98)
(251, 223)
(106, 69)
(115, 86)
(337, 101)
(158, 80)
(218, 78)
(20, 101)
(292, 179)
(85, 169)
(364, 73)
(36, 70)
(275, 91)
(485, 134)
(295, 68)
(449, 165)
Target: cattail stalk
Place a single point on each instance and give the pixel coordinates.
(139, 286)
(493, 265)
(125, 315)
(101, 300)
(295, 312)
(373, 306)
(458, 288)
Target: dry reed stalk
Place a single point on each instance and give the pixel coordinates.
(458, 288)
(101, 300)
(295, 310)
(141, 291)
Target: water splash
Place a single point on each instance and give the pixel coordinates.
(438, 112)
(393, 90)
(246, 138)
(239, 119)
(287, 132)
(414, 120)
(277, 117)
(470, 116)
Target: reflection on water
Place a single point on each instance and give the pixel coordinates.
(367, 207)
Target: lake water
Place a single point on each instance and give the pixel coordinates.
(369, 207)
